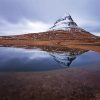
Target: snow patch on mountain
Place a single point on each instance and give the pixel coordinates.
(66, 23)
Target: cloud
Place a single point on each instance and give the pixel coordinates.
(85, 12)
(25, 26)
(90, 25)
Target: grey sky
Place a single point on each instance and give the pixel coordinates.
(22, 16)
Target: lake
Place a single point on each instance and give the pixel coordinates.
(34, 59)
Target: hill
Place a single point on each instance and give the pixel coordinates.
(65, 32)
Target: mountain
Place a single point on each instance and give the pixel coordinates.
(66, 23)
(64, 28)
(54, 35)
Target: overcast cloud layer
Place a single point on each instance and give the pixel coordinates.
(24, 16)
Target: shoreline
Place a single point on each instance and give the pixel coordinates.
(94, 46)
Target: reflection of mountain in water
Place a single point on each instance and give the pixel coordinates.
(62, 55)
(66, 58)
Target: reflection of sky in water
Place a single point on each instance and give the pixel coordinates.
(87, 58)
(19, 59)
(22, 53)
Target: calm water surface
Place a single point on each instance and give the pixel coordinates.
(36, 59)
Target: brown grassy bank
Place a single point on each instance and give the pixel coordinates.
(83, 44)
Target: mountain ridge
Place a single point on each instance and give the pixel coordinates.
(63, 29)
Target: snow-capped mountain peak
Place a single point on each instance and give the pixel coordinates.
(66, 23)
